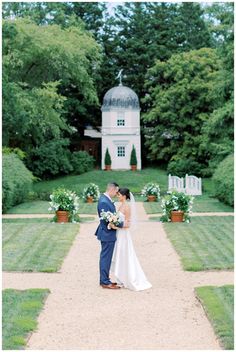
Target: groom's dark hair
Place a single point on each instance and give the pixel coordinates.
(112, 184)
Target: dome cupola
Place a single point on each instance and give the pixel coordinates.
(120, 97)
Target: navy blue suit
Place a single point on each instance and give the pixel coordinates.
(107, 238)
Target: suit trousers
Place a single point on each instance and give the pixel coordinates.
(105, 261)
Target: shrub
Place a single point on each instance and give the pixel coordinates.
(181, 167)
(81, 162)
(16, 181)
(107, 158)
(50, 159)
(133, 157)
(223, 180)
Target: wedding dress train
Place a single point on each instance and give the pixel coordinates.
(125, 265)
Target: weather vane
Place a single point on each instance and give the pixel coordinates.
(120, 76)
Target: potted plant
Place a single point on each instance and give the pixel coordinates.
(133, 159)
(91, 193)
(65, 203)
(107, 160)
(176, 207)
(151, 191)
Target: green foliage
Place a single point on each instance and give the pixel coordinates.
(21, 155)
(16, 181)
(107, 158)
(181, 167)
(81, 162)
(176, 201)
(91, 190)
(223, 179)
(65, 200)
(50, 159)
(181, 96)
(151, 189)
(48, 83)
(20, 311)
(133, 157)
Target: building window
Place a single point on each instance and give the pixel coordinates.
(121, 151)
(120, 122)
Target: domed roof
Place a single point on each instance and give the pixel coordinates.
(120, 97)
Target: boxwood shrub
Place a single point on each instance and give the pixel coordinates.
(223, 180)
(16, 181)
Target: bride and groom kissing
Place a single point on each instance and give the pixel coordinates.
(117, 250)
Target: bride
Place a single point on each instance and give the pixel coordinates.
(125, 265)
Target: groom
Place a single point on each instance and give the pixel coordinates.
(106, 236)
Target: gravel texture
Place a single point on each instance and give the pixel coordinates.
(79, 314)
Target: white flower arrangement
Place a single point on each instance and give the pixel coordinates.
(91, 190)
(176, 201)
(151, 189)
(62, 199)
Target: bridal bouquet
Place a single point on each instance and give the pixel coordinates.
(111, 218)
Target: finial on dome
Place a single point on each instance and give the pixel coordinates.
(120, 77)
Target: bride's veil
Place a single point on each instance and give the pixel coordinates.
(133, 218)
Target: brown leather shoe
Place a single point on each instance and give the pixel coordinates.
(110, 286)
(114, 283)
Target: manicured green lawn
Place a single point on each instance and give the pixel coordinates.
(205, 243)
(36, 246)
(201, 204)
(20, 310)
(133, 180)
(41, 207)
(218, 303)
(47, 220)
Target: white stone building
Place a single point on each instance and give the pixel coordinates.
(121, 127)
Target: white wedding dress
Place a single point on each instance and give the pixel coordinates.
(125, 265)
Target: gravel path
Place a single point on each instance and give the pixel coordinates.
(79, 314)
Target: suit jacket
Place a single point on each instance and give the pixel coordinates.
(102, 232)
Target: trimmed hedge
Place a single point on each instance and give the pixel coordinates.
(223, 180)
(16, 181)
(81, 162)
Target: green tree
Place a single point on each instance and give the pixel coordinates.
(133, 157)
(181, 97)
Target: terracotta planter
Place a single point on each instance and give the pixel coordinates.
(108, 167)
(89, 199)
(177, 216)
(152, 198)
(62, 216)
(133, 167)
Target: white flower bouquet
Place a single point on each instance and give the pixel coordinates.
(110, 218)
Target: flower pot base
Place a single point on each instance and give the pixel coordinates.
(177, 216)
(62, 216)
(89, 199)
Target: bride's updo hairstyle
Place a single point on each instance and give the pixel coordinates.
(125, 192)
